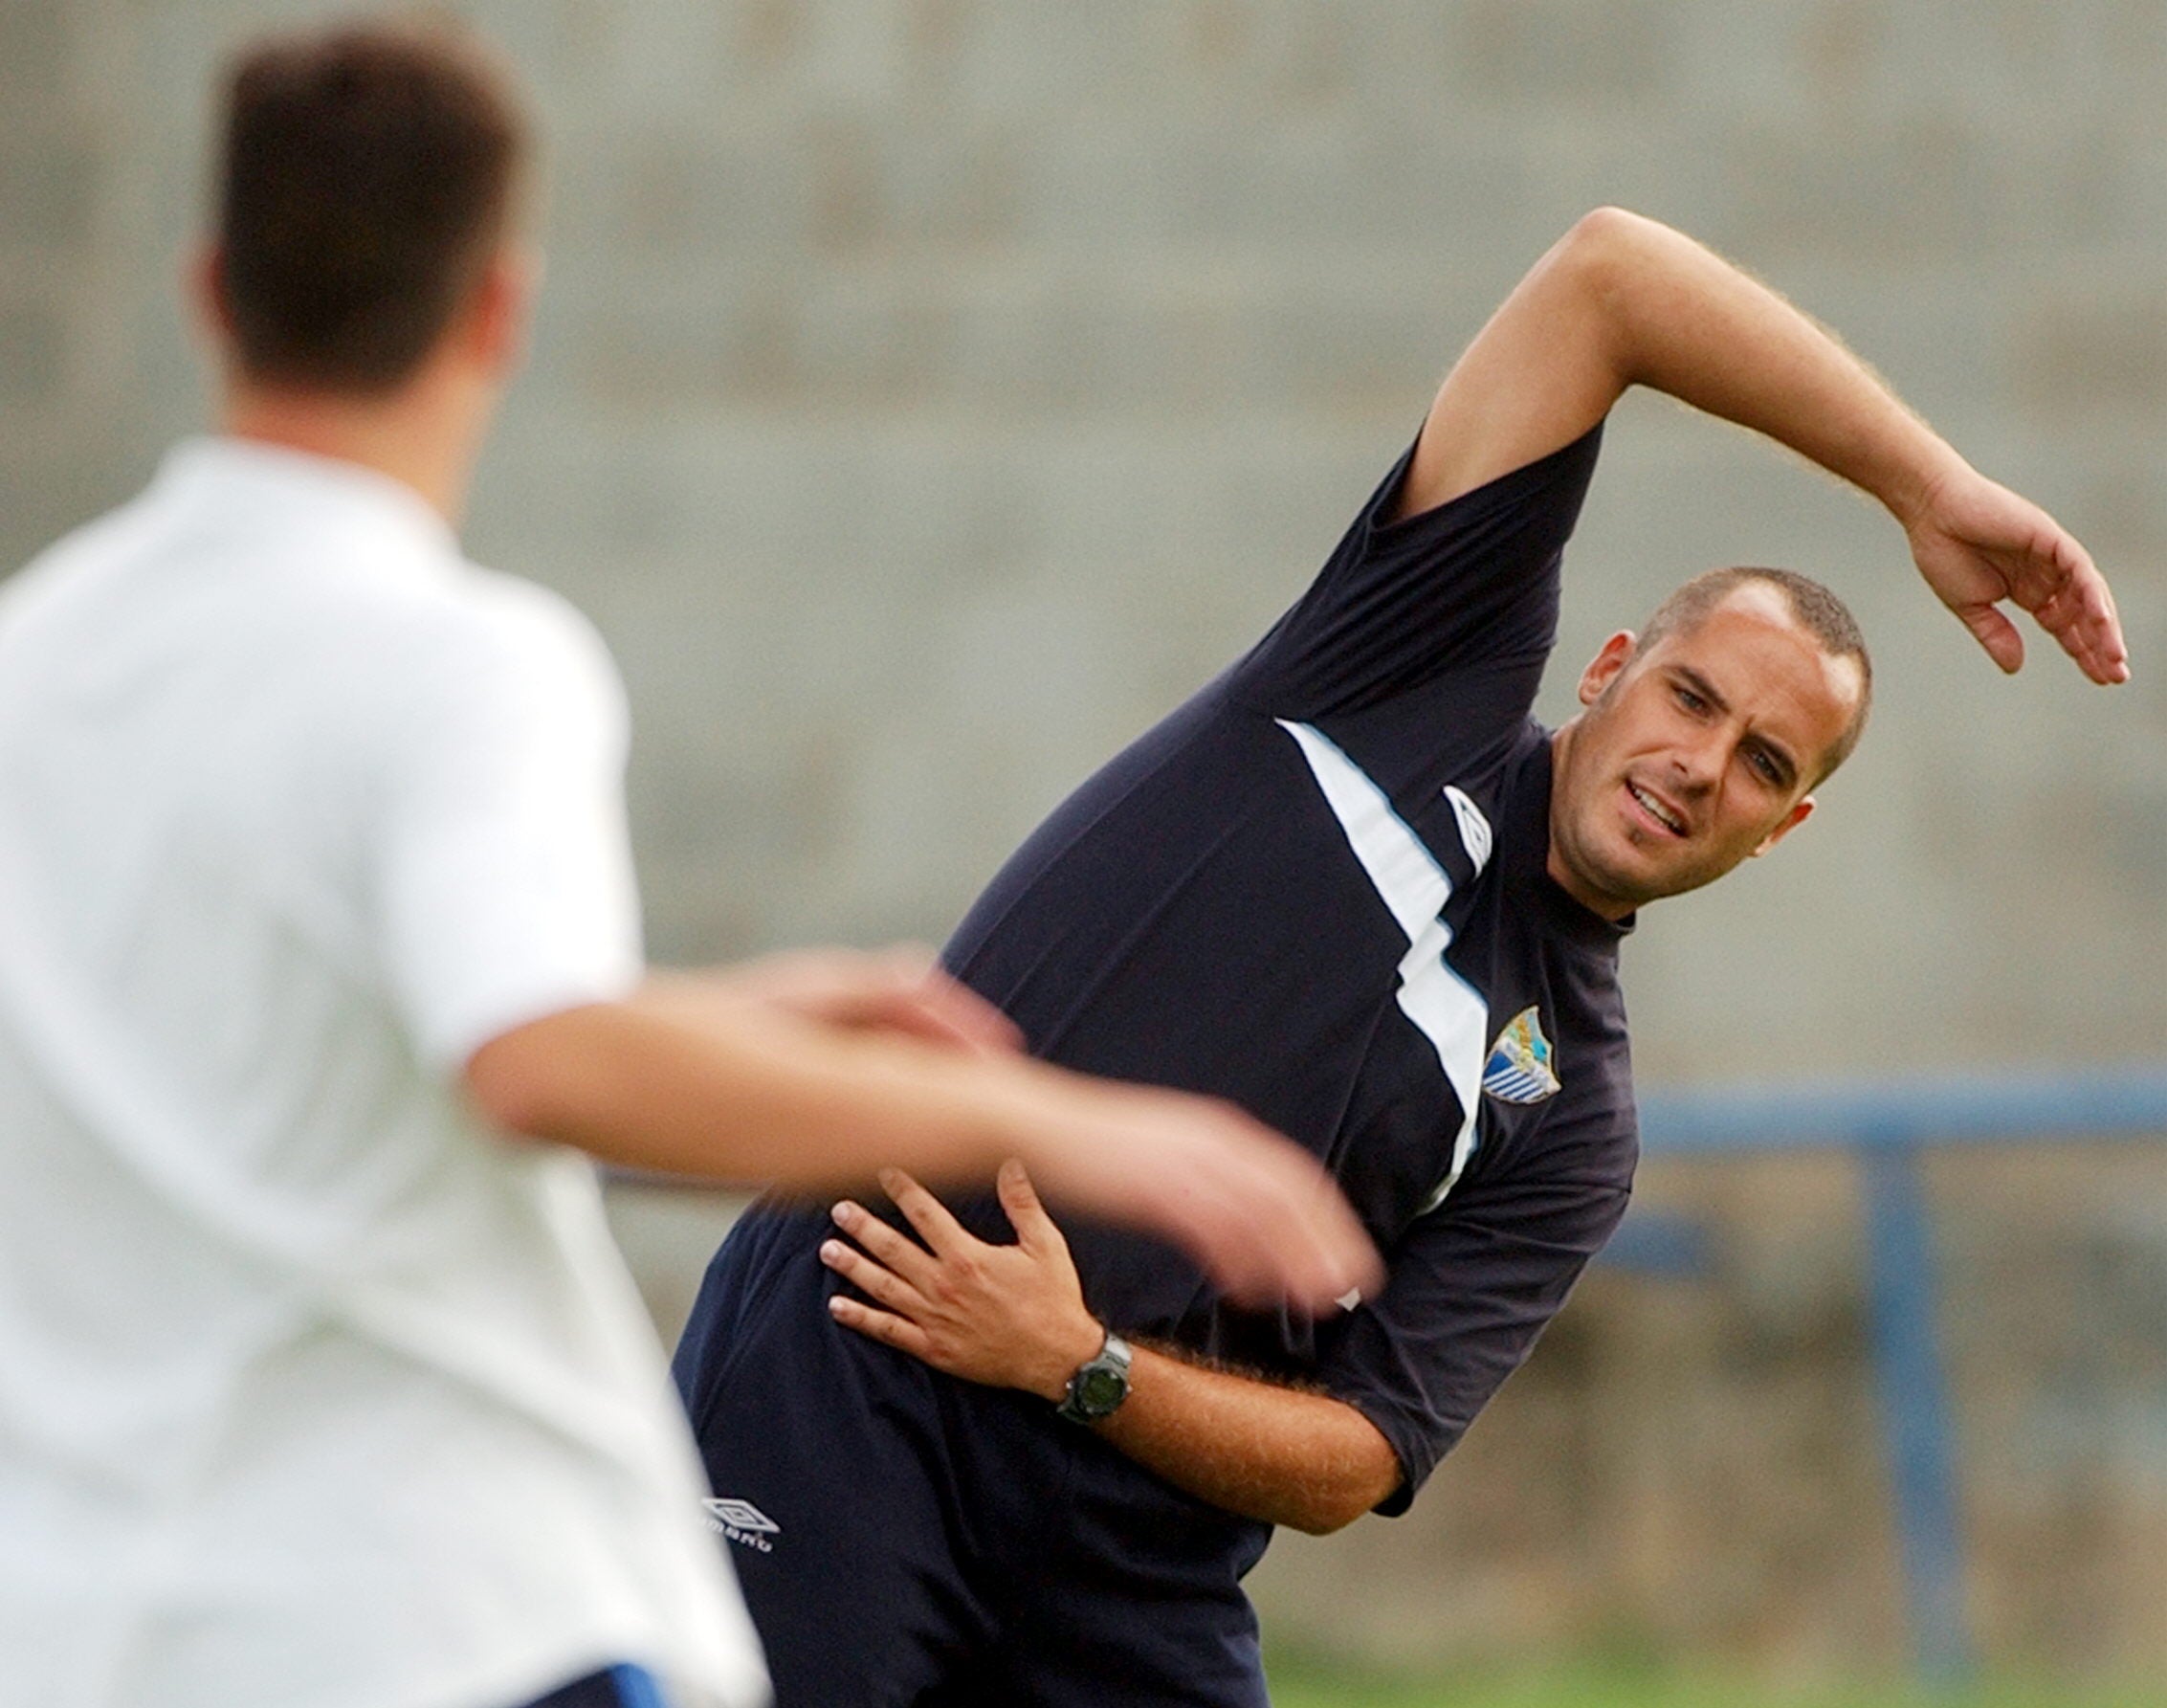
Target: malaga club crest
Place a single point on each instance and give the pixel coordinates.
(1522, 1067)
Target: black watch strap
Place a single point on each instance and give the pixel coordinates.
(1099, 1385)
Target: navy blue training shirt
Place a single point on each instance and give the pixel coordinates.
(1318, 889)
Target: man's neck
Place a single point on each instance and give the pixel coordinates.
(416, 436)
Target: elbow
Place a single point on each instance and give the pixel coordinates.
(501, 1085)
(1595, 256)
(1334, 1505)
(1605, 265)
(1353, 1471)
(1323, 1514)
(1604, 237)
(1323, 1520)
(523, 1080)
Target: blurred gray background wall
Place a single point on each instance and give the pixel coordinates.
(928, 394)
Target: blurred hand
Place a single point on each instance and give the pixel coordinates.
(899, 990)
(1255, 1210)
(1977, 544)
(1008, 1315)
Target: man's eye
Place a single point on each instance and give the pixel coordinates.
(1691, 701)
(1770, 771)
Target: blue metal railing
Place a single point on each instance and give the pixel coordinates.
(1888, 1126)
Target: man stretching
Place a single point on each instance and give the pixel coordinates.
(1355, 888)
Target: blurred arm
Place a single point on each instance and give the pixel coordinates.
(715, 1079)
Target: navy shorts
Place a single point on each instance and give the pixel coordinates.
(615, 1687)
(903, 1537)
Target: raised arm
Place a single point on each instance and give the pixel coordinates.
(816, 1076)
(1622, 300)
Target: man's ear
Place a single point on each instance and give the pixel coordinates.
(1797, 817)
(204, 284)
(500, 309)
(1604, 668)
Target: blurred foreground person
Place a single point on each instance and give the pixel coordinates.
(1354, 887)
(318, 1387)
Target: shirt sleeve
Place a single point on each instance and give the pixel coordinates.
(1472, 1286)
(1399, 603)
(502, 886)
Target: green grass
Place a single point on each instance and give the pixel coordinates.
(1307, 1682)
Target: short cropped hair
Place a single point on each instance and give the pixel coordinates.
(1818, 611)
(369, 175)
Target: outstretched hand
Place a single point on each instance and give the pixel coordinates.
(899, 990)
(1258, 1211)
(1002, 1315)
(1977, 544)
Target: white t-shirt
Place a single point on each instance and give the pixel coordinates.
(314, 1392)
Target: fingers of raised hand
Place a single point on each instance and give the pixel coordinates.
(1995, 632)
(2056, 584)
(2080, 615)
(2064, 591)
(2088, 626)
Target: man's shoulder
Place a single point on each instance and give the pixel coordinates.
(75, 561)
(529, 611)
(467, 624)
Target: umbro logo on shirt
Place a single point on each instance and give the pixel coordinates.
(1522, 1065)
(742, 1521)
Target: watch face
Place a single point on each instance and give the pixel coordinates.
(1100, 1391)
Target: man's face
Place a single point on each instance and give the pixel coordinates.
(1695, 753)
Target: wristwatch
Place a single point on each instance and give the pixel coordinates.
(1100, 1384)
